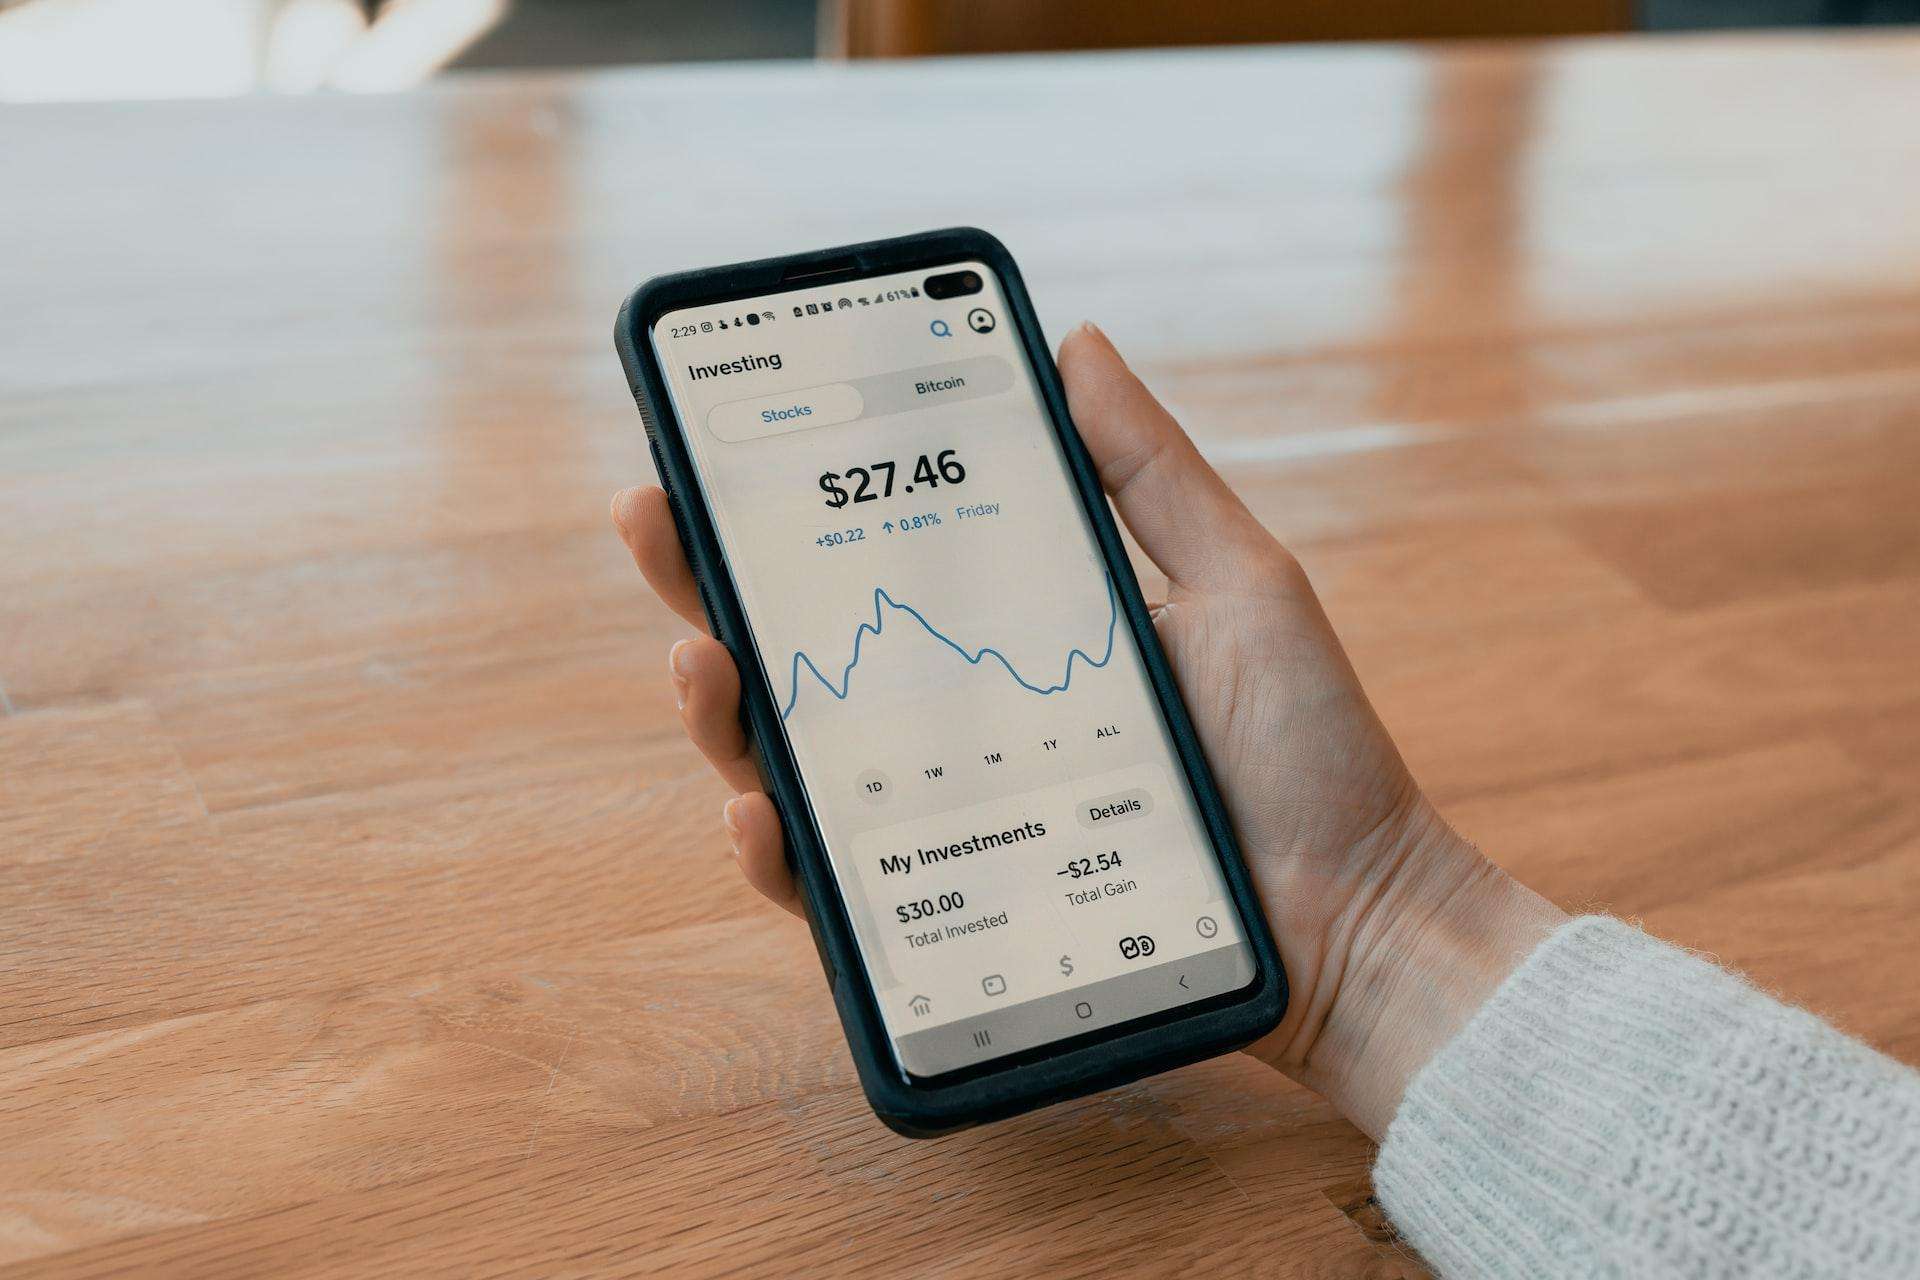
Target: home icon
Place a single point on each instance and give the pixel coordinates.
(920, 1005)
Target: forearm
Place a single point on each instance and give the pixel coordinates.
(1427, 942)
(1623, 1107)
(1565, 1097)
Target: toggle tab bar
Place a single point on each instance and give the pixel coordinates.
(881, 395)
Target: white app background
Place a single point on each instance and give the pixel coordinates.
(947, 655)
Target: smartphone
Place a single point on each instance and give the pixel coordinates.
(1019, 875)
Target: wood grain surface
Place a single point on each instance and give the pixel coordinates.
(362, 911)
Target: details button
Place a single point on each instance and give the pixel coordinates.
(1134, 802)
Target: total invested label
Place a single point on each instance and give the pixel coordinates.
(964, 929)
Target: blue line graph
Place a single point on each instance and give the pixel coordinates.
(882, 602)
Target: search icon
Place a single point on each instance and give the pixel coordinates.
(940, 329)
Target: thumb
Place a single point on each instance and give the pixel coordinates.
(1184, 515)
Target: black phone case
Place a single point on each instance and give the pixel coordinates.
(913, 1106)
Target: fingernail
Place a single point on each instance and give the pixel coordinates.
(677, 668)
(1099, 335)
(730, 819)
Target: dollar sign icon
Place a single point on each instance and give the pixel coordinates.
(1066, 966)
(836, 496)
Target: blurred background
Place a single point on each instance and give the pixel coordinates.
(92, 50)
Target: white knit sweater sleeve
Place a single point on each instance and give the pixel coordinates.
(1623, 1108)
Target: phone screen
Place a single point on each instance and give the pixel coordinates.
(1008, 823)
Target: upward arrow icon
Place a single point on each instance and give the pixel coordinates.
(888, 526)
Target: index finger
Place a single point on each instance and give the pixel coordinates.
(646, 525)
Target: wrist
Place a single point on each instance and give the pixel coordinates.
(1430, 939)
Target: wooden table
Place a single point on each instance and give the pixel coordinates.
(363, 911)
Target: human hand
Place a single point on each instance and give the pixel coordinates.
(1392, 928)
